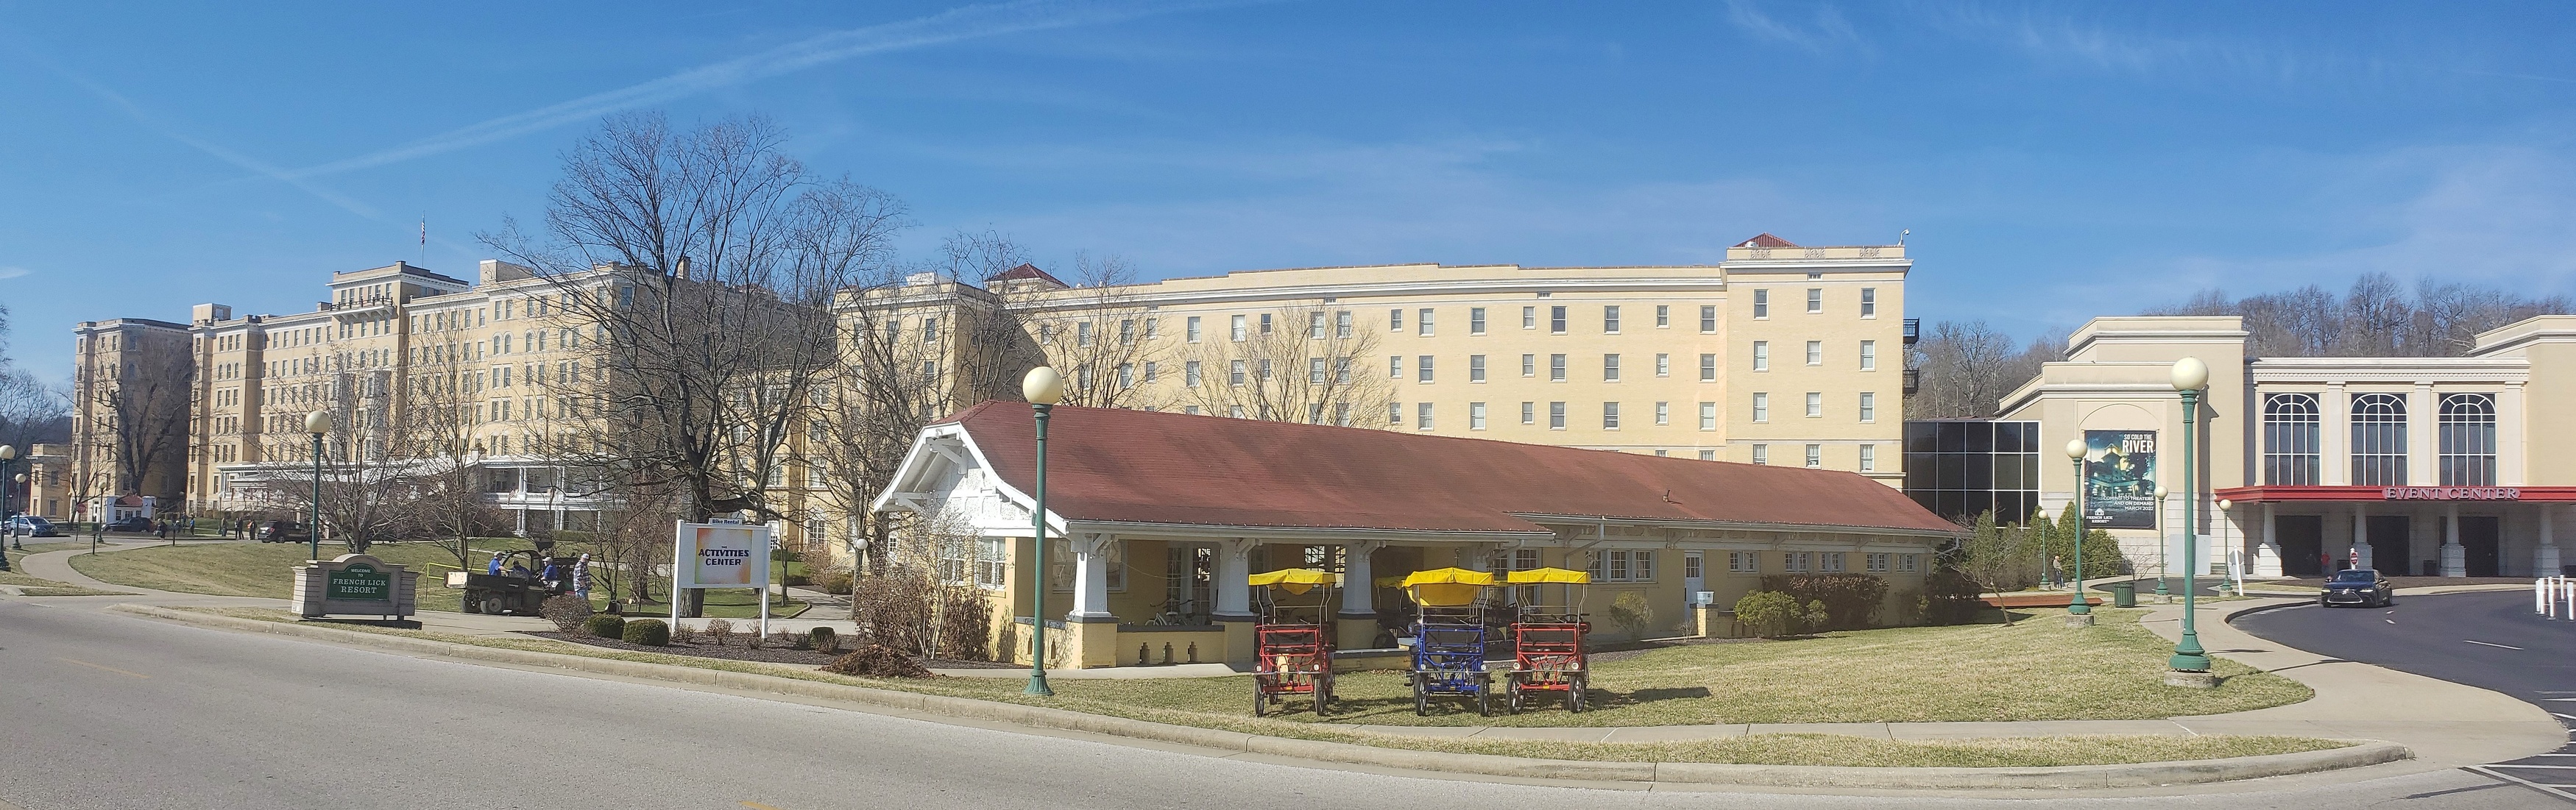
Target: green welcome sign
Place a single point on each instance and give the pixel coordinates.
(359, 582)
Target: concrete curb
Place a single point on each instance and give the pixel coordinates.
(2366, 752)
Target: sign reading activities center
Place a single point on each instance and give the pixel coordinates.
(721, 555)
(354, 584)
(2120, 479)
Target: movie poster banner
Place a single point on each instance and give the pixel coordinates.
(2120, 479)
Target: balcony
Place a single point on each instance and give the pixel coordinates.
(1913, 380)
(1913, 335)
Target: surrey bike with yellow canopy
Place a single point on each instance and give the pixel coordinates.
(1293, 652)
(1547, 639)
(1449, 637)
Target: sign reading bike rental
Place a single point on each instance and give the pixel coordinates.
(721, 555)
(354, 584)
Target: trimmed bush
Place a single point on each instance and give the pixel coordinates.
(684, 634)
(648, 632)
(824, 639)
(566, 611)
(720, 631)
(1851, 600)
(605, 625)
(836, 583)
(879, 661)
(1632, 614)
(1950, 597)
(1769, 613)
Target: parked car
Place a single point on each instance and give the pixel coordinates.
(282, 531)
(33, 526)
(133, 524)
(2358, 586)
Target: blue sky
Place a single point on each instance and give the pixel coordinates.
(2054, 160)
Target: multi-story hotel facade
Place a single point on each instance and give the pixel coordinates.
(1782, 354)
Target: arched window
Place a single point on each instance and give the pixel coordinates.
(2290, 439)
(2379, 440)
(2468, 440)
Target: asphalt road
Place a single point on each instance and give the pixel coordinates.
(102, 710)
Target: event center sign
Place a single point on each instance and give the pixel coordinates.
(722, 555)
(2120, 479)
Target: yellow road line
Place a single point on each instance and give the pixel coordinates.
(101, 666)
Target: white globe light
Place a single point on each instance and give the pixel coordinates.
(2189, 374)
(2075, 449)
(317, 422)
(1043, 386)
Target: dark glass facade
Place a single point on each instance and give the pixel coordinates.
(1960, 468)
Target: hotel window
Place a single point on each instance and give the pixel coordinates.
(1708, 416)
(1394, 412)
(1874, 562)
(1190, 330)
(1610, 319)
(1708, 320)
(1529, 365)
(1556, 416)
(1663, 413)
(1799, 561)
(1422, 320)
(1126, 331)
(2379, 440)
(1395, 367)
(1815, 300)
(1422, 369)
(1149, 369)
(1315, 324)
(1609, 368)
(1905, 562)
(1422, 416)
(930, 330)
(2468, 440)
(1815, 352)
(1236, 411)
(1190, 374)
(1815, 455)
(1829, 562)
(1529, 413)
(1265, 323)
(1868, 406)
(1475, 320)
(1762, 454)
(1235, 375)
(1708, 368)
(1341, 369)
(1315, 371)
(1869, 302)
(1556, 368)
(1815, 404)
(1708, 455)
(1761, 407)
(1869, 355)
(1341, 413)
(1082, 333)
(1529, 317)
(1475, 368)
(1126, 376)
(1663, 316)
(1395, 321)
(1475, 416)
(1610, 416)
(2290, 440)
(1151, 332)
(1743, 562)
(1869, 458)
(1262, 371)
(1761, 306)
(1761, 358)
(1556, 320)
(1236, 329)
(1342, 324)
(1623, 565)
(1663, 365)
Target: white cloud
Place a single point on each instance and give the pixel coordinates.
(1830, 31)
(13, 272)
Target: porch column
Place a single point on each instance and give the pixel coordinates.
(2455, 560)
(1234, 600)
(2360, 537)
(2267, 553)
(1356, 627)
(2544, 560)
(1091, 561)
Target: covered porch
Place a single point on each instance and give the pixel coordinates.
(2310, 531)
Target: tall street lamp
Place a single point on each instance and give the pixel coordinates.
(2078, 613)
(317, 423)
(8, 514)
(2189, 377)
(2163, 542)
(1043, 388)
(16, 539)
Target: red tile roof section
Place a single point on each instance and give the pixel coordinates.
(1767, 240)
(1168, 468)
(1025, 270)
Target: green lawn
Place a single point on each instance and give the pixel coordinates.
(261, 569)
(1773, 749)
(33, 586)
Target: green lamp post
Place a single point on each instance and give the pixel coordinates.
(2189, 377)
(2162, 545)
(316, 423)
(2078, 612)
(8, 512)
(1043, 387)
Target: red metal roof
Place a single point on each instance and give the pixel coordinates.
(1135, 466)
(1026, 270)
(1767, 240)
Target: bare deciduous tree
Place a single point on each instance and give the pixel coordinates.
(143, 416)
(1299, 363)
(1104, 341)
(2375, 318)
(705, 263)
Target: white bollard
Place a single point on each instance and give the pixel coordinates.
(2541, 601)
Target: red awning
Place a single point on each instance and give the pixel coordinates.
(2347, 494)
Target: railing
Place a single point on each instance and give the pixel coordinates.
(2554, 597)
(1913, 331)
(1913, 380)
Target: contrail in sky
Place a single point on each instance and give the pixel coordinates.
(972, 22)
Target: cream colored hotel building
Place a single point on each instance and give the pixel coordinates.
(1782, 354)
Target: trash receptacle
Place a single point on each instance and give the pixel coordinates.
(2124, 594)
